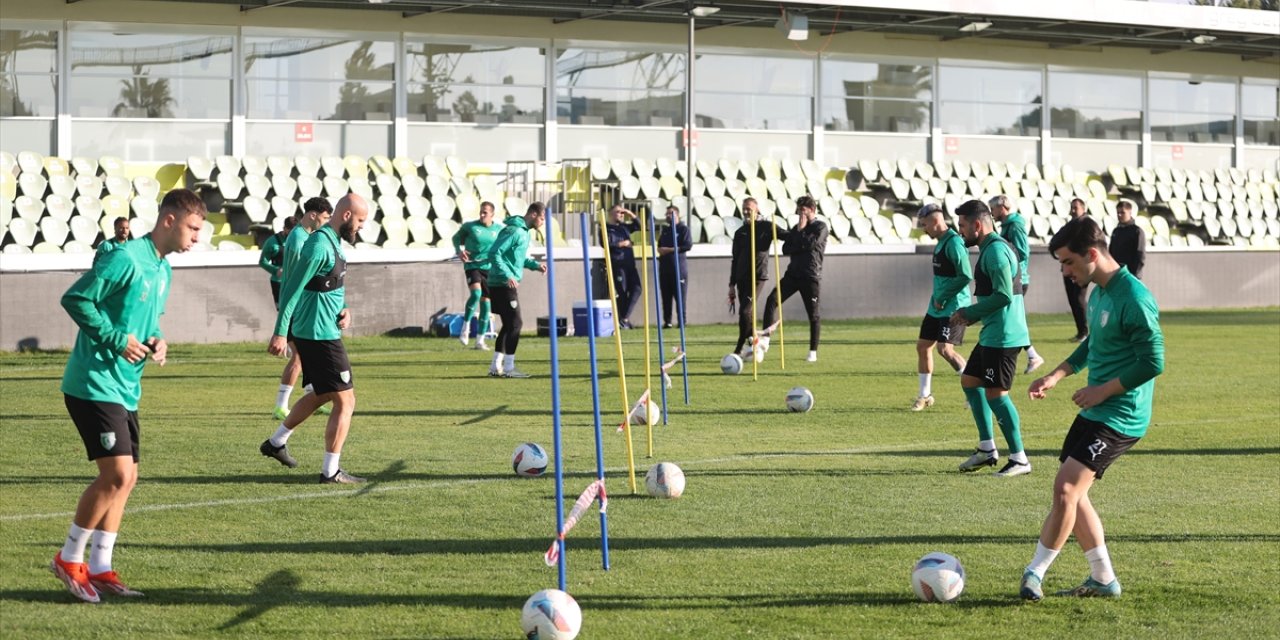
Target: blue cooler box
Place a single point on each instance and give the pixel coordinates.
(603, 318)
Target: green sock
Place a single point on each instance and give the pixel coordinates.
(1010, 424)
(484, 316)
(473, 299)
(977, 399)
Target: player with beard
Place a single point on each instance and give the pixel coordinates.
(313, 306)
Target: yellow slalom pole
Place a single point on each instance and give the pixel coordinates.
(617, 343)
(777, 277)
(648, 356)
(755, 290)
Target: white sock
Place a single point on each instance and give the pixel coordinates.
(509, 362)
(1020, 457)
(103, 543)
(1031, 352)
(497, 361)
(1042, 559)
(926, 384)
(282, 398)
(73, 548)
(330, 464)
(813, 355)
(480, 339)
(281, 436)
(1100, 564)
(988, 445)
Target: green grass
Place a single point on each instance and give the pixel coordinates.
(792, 526)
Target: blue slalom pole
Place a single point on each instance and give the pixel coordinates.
(595, 381)
(657, 305)
(555, 395)
(684, 361)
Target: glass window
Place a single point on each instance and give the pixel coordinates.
(149, 75)
(319, 79)
(475, 83)
(989, 101)
(28, 73)
(775, 94)
(1095, 105)
(1190, 110)
(867, 96)
(1260, 106)
(620, 88)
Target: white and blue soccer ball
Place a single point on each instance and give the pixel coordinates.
(799, 400)
(664, 480)
(529, 460)
(731, 364)
(938, 577)
(648, 413)
(551, 614)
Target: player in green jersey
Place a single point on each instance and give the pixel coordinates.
(1013, 228)
(121, 229)
(509, 257)
(471, 243)
(315, 214)
(313, 307)
(271, 256)
(1124, 352)
(951, 277)
(117, 304)
(988, 374)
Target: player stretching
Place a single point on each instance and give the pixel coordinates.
(1013, 228)
(313, 306)
(117, 305)
(508, 258)
(951, 277)
(998, 289)
(1124, 352)
(472, 242)
(315, 214)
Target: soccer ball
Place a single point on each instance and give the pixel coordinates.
(664, 480)
(551, 614)
(529, 460)
(649, 412)
(938, 577)
(800, 400)
(731, 364)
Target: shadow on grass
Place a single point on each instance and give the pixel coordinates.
(520, 546)
(958, 452)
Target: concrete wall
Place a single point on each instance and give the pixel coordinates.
(231, 304)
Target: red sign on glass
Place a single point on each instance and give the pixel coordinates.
(686, 141)
(302, 132)
(952, 146)
(1177, 152)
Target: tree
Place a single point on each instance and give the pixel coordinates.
(140, 96)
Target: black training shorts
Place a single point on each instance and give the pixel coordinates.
(481, 276)
(995, 366)
(935, 329)
(324, 365)
(1094, 444)
(275, 293)
(107, 429)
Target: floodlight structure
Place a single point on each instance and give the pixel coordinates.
(793, 25)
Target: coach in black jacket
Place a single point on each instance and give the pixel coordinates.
(806, 244)
(741, 288)
(1128, 241)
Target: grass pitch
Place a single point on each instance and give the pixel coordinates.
(792, 526)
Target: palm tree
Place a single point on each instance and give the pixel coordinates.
(141, 96)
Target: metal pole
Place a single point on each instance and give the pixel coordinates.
(555, 398)
(657, 307)
(689, 122)
(684, 355)
(595, 379)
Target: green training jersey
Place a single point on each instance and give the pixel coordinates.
(122, 295)
(1014, 231)
(509, 255)
(998, 292)
(311, 312)
(1124, 342)
(951, 276)
(293, 248)
(476, 238)
(272, 256)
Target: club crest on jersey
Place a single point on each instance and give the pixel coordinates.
(1106, 315)
(108, 440)
(346, 376)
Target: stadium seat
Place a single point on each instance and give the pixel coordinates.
(54, 230)
(75, 246)
(421, 230)
(200, 172)
(231, 187)
(55, 166)
(84, 229)
(306, 166)
(468, 207)
(380, 165)
(356, 167)
(30, 162)
(111, 166)
(46, 247)
(309, 186)
(8, 163)
(257, 208)
(257, 185)
(23, 231)
(281, 166)
(284, 207)
(59, 207)
(360, 185)
(33, 184)
(283, 186)
(62, 185)
(335, 187)
(83, 166)
(226, 165)
(147, 187)
(387, 185)
(29, 209)
(118, 185)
